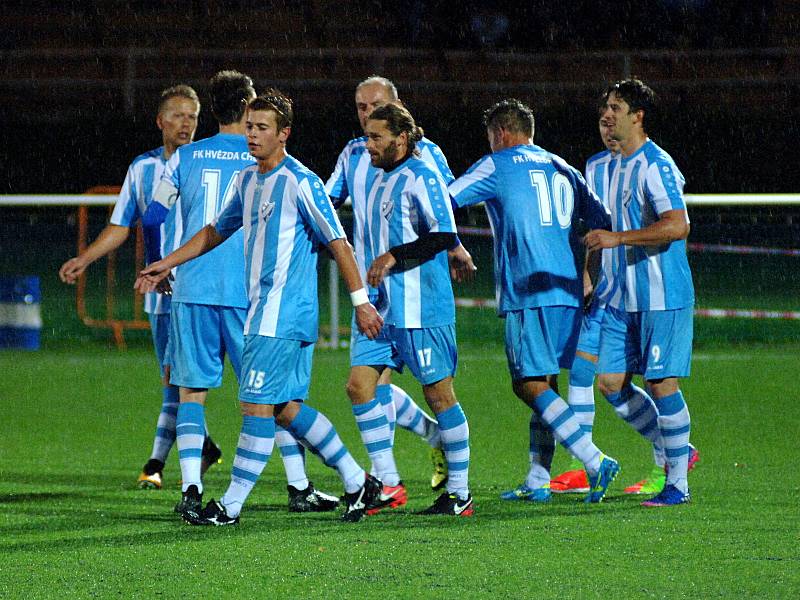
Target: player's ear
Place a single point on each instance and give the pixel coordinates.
(159, 122)
(284, 134)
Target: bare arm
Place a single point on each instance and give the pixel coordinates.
(203, 241)
(670, 226)
(111, 238)
(367, 318)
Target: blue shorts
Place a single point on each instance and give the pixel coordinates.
(430, 353)
(159, 327)
(655, 343)
(199, 338)
(365, 352)
(589, 338)
(275, 370)
(541, 341)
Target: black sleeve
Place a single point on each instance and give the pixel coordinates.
(425, 247)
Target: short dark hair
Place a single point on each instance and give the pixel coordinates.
(638, 95)
(398, 120)
(178, 91)
(276, 101)
(512, 115)
(230, 92)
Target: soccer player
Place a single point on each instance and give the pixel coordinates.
(647, 326)
(178, 110)
(411, 225)
(209, 302)
(533, 199)
(352, 178)
(287, 217)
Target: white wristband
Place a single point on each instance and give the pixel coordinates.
(359, 297)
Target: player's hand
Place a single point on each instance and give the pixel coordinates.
(150, 277)
(380, 268)
(461, 266)
(368, 320)
(597, 239)
(72, 269)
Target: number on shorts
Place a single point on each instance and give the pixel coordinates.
(424, 357)
(656, 352)
(256, 378)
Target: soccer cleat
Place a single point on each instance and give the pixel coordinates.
(212, 455)
(609, 469)
(652, 484)
(310, 500)
(391, 496)
(573, 481)
(439, 477)
(450, 504)
(359, 501)
(191, 501)
(523, 492)
(150, 478)
(669, 496)
(213, 514)
(694, 457)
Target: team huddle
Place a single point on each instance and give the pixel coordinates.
(591, 276)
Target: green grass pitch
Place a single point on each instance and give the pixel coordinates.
(78, 424)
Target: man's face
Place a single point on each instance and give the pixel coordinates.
(605, 135)
(368, 98)
(178, 121)
(264, 138)
(618, 117)
(381, 144)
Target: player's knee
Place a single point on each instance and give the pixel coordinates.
(358, 391)
(609, 386)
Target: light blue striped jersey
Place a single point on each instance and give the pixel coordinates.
(353, 176)
(403, 204)
(533, 199)
(287, 216)
(643, 186)
(204, 175)
(136, 194)
(599, 169)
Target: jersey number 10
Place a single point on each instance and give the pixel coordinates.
(557, 188)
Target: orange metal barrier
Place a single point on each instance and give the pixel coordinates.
(117, 326)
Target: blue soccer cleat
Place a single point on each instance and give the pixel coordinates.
(669, 496)
(598, 484)
(526, 494)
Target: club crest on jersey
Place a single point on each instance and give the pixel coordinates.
(267, 208)
(387, 206)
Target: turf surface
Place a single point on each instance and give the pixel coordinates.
(79, 424)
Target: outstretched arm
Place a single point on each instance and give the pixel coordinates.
(203, 241)
(111, 238)
(367, 318)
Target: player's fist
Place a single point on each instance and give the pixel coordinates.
(72, 269)
(368, 320)
(380, 268)
(461, 266)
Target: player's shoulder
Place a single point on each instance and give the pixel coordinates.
(356, 146)
(154, 155)
(430, 146)
(602, 156)
(299, 171)
(654, 153)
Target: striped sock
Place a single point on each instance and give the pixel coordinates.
(383, 394)
(413, 418)
(165, 428)
(455, 443)
(294, 458)
(581, 392)
(637, 408)
(256, 442)
(542, 447)
(321, 438)
(675, 425)
(567, 430)
(190, 428)
(377, 438)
